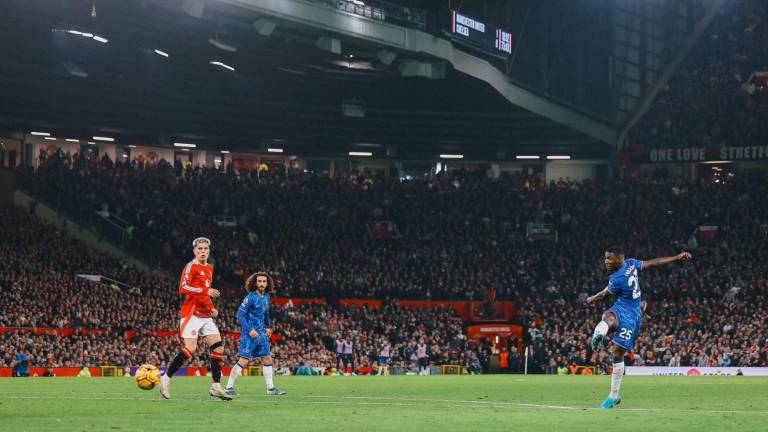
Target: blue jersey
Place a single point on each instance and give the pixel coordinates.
(253, 313)
(625, 285)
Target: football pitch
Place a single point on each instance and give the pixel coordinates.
(393, 403)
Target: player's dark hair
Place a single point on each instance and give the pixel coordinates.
(616, 250)
(250, 283)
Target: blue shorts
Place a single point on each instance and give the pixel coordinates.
(383, 360)
(627, 327)
(251, 348)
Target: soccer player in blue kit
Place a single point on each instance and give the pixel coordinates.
(253, 316)
(624, 318)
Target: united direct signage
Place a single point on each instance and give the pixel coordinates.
(694, 154)
(696, 371)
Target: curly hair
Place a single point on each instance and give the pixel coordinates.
(250, 283)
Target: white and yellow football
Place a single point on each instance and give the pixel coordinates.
(147, 377)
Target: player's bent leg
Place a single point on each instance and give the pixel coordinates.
(610, 318)
(186, 353)
(268, 371)
(607, 324)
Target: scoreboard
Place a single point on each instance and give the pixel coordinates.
(481, 34)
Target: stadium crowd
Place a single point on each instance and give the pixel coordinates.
(39, 289)
(709, 102)
(461, 236)
(451, 236)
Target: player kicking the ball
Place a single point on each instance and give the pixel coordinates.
(253, 316)
(197, 315)
(624, 318)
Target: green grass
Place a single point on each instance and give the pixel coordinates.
(402, 403)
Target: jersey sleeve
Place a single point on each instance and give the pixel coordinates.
(185, 284)
(638, 264)
(242, 315)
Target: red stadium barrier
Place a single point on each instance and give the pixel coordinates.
(129, 334)
(59, 372)
(370, 304)
(56, 331)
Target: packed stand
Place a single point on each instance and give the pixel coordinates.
(39, 289)
(708, 102)
(461, 236)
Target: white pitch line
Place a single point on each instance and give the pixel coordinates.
(373, 400)
(495, 403)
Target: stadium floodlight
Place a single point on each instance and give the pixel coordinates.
(275, 150)
(75, 32)
(72, 140)
(451, 156)
(224, 152)
(131, 146)
(40, 133)
(558, 157)
(359, 153)
(220, 64)
(100, 39)
(185, 145)
(222, 45)
(103, 138)
(91, 143)
(527, 157)
(161, 53)
(50, 138)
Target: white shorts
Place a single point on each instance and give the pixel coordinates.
(192, 327)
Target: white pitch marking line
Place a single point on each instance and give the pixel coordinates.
(440, 403)
(526, 405)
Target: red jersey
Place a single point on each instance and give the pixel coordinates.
(194, 284)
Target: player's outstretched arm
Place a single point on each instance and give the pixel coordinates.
(682, 256)
(598, 297)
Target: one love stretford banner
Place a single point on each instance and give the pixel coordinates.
(693, 154)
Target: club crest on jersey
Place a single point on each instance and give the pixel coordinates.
(202, 273)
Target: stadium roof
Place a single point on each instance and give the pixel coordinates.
(147, 72)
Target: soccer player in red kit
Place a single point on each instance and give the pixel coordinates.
(196, 319)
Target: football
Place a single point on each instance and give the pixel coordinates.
(147, 377)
